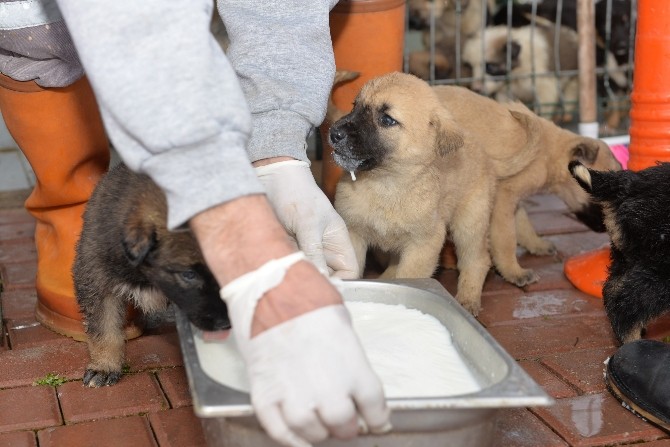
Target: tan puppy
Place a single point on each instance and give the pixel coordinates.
(542, 169)
(533, 63)
(418, 176)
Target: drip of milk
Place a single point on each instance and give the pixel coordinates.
(353, 176)
(411, 352)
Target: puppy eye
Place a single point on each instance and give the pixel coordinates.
(495, 69)
(188, 275)
(387, 121)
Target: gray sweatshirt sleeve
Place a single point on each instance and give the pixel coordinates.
(170, 100)
(283, 55)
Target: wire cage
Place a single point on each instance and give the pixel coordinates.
(527, 51)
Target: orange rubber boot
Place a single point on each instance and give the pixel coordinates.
(649, 128)
(60, 132)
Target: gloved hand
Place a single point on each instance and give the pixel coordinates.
(307, 214)
(309, 375)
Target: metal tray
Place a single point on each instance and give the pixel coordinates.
(463, 420)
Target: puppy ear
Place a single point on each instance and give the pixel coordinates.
(585, 151)
(448, 137)
(138, 241)
(582, 174)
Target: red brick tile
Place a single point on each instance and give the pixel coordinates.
(17, 231)
(18, 303)
(543, 203)
(18, 439)
(19, 275)
(572, 244)
(520, 428)
(15, 215)
(28, 408)
(495, 283)
(133, 394)
(506, 309)
(22, 251)
(551, 277)
(555, 223)
(662, 443)
(175, 385)
(132, 431)
(154, 351)
(542, 336)
(177, 428)
(23, 366)
(551, 383)
(26, 333)
(595, 420)
(582, 369)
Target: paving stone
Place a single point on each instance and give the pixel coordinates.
(550, 382)
(178, 428)
(18, 303)
(133, 394)
(132, 431)
(175, 385)
(17, 231)
(17, 251)
(20, 274)
(547, 223)
(28, 332)
(23, 366)
(573, 244)
(18, 439)
(520, 428)
(541, 336)
(583, 369)
(507, 309)
(551, 276)
(596, 420)
(154, 351)
(15, 215)
(32, 407)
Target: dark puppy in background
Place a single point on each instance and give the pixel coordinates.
(126, 255)
(636, 207)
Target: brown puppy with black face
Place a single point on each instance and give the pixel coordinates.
(126, 255)
(540, 168)
(418, 176)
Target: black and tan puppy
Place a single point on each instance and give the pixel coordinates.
(126, 255)
(419, 176)
(636, 204)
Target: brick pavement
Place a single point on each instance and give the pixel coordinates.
(559, 336)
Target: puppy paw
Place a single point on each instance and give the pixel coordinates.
(95, 378)
(472, 306)
(545, 249)
(527, 276)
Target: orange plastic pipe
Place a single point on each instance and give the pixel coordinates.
(368, 37)
(649, 128)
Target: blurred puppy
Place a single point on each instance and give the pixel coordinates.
(530, 58)
(636, 204)
(415, 175)
(126, 255)
(528, 154)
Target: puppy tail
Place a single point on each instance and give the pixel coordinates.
(582, 174)
(510, 166)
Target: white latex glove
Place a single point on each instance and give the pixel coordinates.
(309, 376)
(307, 214)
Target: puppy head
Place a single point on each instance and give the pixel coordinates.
(492, 63)
(171, 261)
(397, 120)
(620, 38)
(591, 153)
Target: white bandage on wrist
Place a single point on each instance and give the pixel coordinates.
(266, 169)
(242, 294)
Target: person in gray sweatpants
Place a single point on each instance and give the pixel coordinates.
(224, 138)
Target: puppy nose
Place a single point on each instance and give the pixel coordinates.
(336, 135)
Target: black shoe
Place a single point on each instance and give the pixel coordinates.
(638, 374)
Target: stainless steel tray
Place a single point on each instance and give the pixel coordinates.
(468, 417)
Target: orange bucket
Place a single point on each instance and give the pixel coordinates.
(368, 37)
